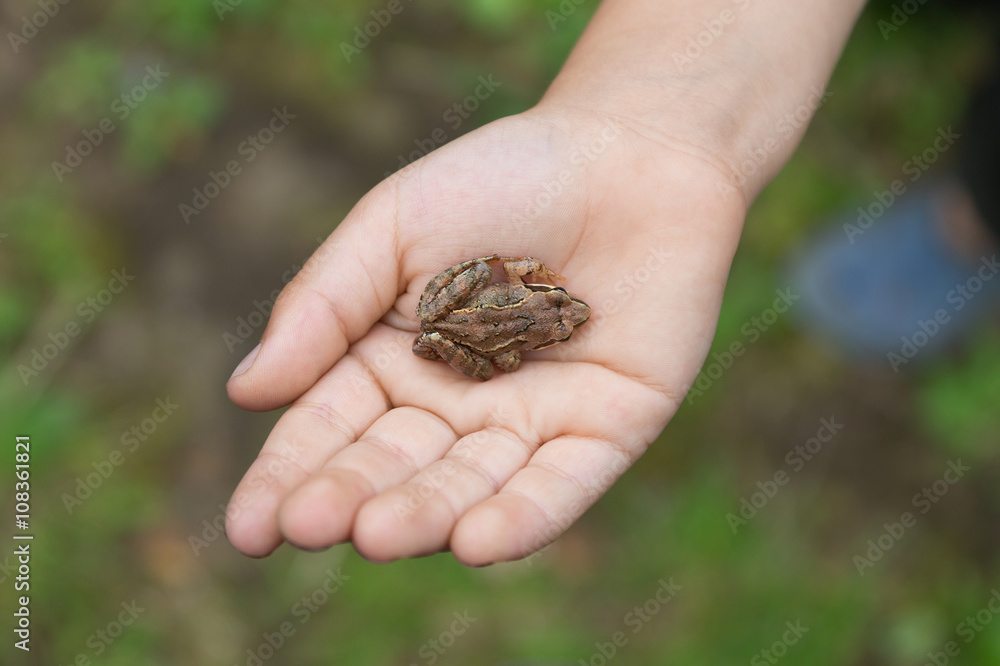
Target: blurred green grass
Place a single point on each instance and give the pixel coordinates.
(666, 519)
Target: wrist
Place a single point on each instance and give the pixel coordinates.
(732, 82)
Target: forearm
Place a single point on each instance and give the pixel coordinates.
(731, 81)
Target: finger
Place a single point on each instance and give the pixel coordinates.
(562, 480)
(345, 287)
(417, 517)
(321, 511)
(525, 409)
(302, 440)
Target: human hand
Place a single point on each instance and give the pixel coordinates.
(406, 457)
(631, 179)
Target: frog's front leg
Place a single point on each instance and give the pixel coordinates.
(453, 287)
(434, 346)
(508, 361)
(517, 267)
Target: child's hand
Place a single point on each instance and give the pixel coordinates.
(631, 178)
(404, 456)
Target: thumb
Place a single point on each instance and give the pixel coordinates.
(346, 286)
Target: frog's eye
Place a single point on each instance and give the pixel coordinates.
(562, 331)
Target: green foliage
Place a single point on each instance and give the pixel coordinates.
(78, 83)
(52, 242)
(179, 112)
(15, 312)
(187, 26)
(496, 16)
(666, 519)
(959, 400)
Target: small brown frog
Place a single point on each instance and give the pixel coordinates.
(467, 322)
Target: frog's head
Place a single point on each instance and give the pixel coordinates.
(575, 312)
(572, 312)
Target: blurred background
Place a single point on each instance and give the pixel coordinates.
(135, 273)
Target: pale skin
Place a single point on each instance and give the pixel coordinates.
(405, 457)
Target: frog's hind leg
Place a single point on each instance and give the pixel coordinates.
(423, 348)
(448, 290)
(517, 267)
(435, 346)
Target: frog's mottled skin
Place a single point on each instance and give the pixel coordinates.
(467, 322)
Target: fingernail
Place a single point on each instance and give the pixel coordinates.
(246, 362)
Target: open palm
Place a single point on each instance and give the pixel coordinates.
(406, 457)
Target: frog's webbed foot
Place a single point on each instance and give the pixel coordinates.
(508, 361)
(434, 346)
(517, 267)
(448, 290)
